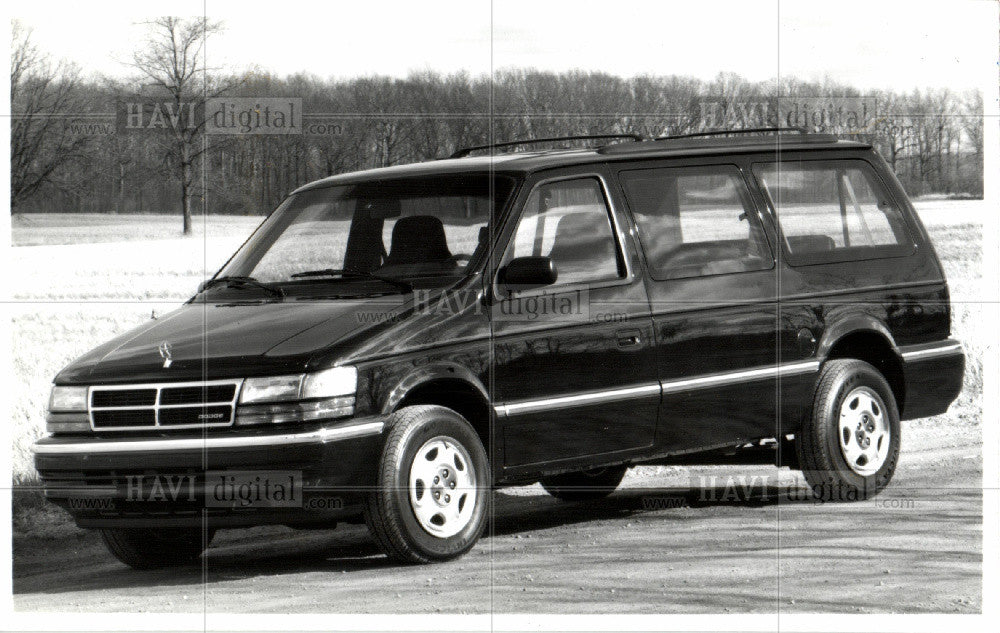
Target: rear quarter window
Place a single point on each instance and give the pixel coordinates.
(830, 211)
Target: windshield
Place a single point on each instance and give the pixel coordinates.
(424, 231)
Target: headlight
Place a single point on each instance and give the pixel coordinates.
(338, 381)
(68, 399)
(321, 395)
(270, 389)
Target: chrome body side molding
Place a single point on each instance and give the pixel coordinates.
(743, 375)
(578, 399)
(588, 398)
(926, 351)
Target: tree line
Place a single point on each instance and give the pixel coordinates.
(71, 152)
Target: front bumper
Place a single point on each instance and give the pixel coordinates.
(162, 481)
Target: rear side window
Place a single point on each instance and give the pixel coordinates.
(695, 221)
(833, 211)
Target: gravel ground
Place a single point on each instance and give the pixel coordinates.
(915, 548)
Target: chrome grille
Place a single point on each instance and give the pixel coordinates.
(124, 398)
(112, 418)
(168, 405)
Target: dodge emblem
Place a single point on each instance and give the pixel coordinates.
(165, 354)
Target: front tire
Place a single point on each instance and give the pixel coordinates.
(849, 447)
(153, 548)
(432, 486)
(587, 485)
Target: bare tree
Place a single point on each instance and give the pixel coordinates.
(45, 103)
(126, 171)
(173, 60)
(972, 120)
(894, 128)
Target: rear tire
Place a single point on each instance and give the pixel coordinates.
(432, 486)
(153, 548)
(849, 447)
(587, 485)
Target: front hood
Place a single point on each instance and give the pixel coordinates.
(209, 341)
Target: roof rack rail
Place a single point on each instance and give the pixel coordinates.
(751, 130)
(465, 151)
(713, 139)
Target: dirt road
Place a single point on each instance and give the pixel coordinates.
(915, 548)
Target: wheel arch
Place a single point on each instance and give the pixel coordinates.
(871, 342)
(447, 385)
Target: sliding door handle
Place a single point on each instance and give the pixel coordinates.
(628, 338)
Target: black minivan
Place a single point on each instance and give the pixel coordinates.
(391, 344)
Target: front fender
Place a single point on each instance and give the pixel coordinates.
(442, 370)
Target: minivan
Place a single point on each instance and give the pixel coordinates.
(391, 345)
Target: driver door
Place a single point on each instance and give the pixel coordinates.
(574, 372)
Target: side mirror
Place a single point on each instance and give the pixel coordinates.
(201, 286)
(528, 272)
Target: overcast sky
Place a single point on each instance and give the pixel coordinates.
(870, 44)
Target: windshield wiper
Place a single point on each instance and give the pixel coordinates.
(339, 272)
(243, 282)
